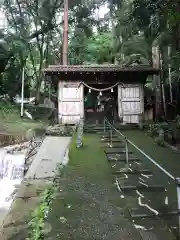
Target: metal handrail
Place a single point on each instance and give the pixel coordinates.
(141, 151)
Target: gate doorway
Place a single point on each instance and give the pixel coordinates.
(98, 105)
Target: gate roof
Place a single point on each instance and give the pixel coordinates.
(101, 73)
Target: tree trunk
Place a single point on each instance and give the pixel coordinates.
(162, 84)
(38, 86)
(65, 39)
(157, 82)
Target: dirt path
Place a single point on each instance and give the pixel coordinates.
(88, 205)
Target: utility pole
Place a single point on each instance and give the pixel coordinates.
(64, 56)
(65, 34)
(22, 93)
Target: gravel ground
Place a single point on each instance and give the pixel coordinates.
(86, 210)
(88, 205)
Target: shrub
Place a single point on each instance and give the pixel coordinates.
(160, 138)
(158, 131)
(153, 129)
(178, 121)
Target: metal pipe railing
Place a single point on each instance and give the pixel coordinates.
(141, 151)
(176, 181)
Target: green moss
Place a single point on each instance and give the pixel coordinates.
(87, 196)
(164, 156)
(90, 160)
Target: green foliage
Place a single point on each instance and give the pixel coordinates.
(7, 109)
(27, 41)
(178, 122)
(99, 48)
(158, 20)
(39, 215)
(81, 23)
(153, 129)
(125, 36)
(158, 132)
(160, 138)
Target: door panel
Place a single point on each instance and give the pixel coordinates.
(71, 104)
(130, 103)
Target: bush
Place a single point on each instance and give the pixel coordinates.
(158, 131)
(178, 121)
(153, 129)
(160, 138)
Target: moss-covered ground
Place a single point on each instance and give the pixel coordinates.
(88, 205)
(165, 157)
(162, 155)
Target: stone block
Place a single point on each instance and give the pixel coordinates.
(32, 188)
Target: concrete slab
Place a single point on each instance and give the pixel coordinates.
(51, 153)
(3, 213)
(27, 199)
(32, 188)
(20, 212)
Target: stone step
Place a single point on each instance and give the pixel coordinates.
(117, 152)
(127, 126)
(139, 213)
(98, 129)
(109, 137)
(141, 187)
(156, 234)
(90, 130)
(153, 229)
(113, 141)
(106, 133)
(123, 159)
(109, 140)
(94, 125)
(135, 172)
(117, 147)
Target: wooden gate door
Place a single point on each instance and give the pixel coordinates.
(71, 103)
(130, 103)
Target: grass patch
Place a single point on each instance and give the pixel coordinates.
(90, 161)
(12, 123)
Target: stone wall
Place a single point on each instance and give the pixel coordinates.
(9, 139)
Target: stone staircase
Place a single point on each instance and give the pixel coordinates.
(146, 199)
(93, 128)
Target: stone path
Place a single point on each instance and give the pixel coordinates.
(51, 153)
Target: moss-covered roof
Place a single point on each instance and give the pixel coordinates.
(58, 69)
